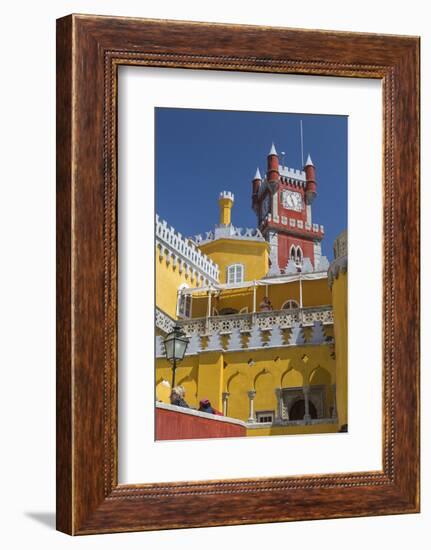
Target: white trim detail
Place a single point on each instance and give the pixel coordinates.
(235, 273)
(172, 245)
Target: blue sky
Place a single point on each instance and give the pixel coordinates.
(202, 152)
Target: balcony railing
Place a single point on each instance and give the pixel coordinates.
(264, 320)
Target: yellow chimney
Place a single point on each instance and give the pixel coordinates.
(225, 202)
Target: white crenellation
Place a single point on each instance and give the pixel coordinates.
(214, 342)
(296, 337)
(276, 338)
(317, 335)
(175, 249)
(255, 340)
(255, 325)
(235, 343)
(293, 175)
(195, 344)
(227, 195)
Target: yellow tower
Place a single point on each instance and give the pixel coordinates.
(225, 202)
(337, 279)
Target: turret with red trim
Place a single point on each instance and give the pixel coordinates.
(273, 172)
(310, 176)
(256, 182)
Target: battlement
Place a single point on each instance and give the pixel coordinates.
(182, 252)
(294, 223)
(229, 232)
(227, 195)
(292, 173)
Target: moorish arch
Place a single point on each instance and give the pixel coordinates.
(264, 385)
(297, 409)
(237, 387)
(292, 378)
(320, 377)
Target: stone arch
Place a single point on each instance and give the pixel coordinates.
(238, 384)
(264, 385)
(292, 378)
(297, 409)
(320, 377)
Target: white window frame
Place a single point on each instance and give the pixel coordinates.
(290, 301)
(236, 269)
(184, 303)
(263, 414)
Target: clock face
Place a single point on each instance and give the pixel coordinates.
(292, 200)
(265, 206)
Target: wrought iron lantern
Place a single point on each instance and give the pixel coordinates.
(176, 343)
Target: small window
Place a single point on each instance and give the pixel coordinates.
(296, 254)
(184, 309)
(264, 416)
(235, 274)
(290, 304)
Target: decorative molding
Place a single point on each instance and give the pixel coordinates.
(229, 232)
(164, 322)
(264, 320)
(172, 245)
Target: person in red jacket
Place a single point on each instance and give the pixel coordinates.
(205, 406)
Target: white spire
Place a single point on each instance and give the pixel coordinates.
(273, 150)
(257, 176)
(309, 161)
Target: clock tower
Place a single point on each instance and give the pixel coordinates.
(282, 201)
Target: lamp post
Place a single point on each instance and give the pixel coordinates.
(176, 343)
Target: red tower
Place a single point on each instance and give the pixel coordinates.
(282, 202)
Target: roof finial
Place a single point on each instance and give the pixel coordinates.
(257, 176)
(309, 161)
(273, 151)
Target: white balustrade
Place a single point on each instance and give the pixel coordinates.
(264, 320)
(174, 247)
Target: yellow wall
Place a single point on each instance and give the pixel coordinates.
(253, 254)
(168, 281)
(339, 296)
(210, 374)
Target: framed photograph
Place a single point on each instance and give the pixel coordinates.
(237, 274)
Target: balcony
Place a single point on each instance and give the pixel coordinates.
(264, 320)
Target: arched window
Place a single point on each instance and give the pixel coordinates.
(297, 411)
(298, 255)
(235, 274)
(184, 303)
(290, 304)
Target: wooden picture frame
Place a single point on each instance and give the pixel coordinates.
(89, 51)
